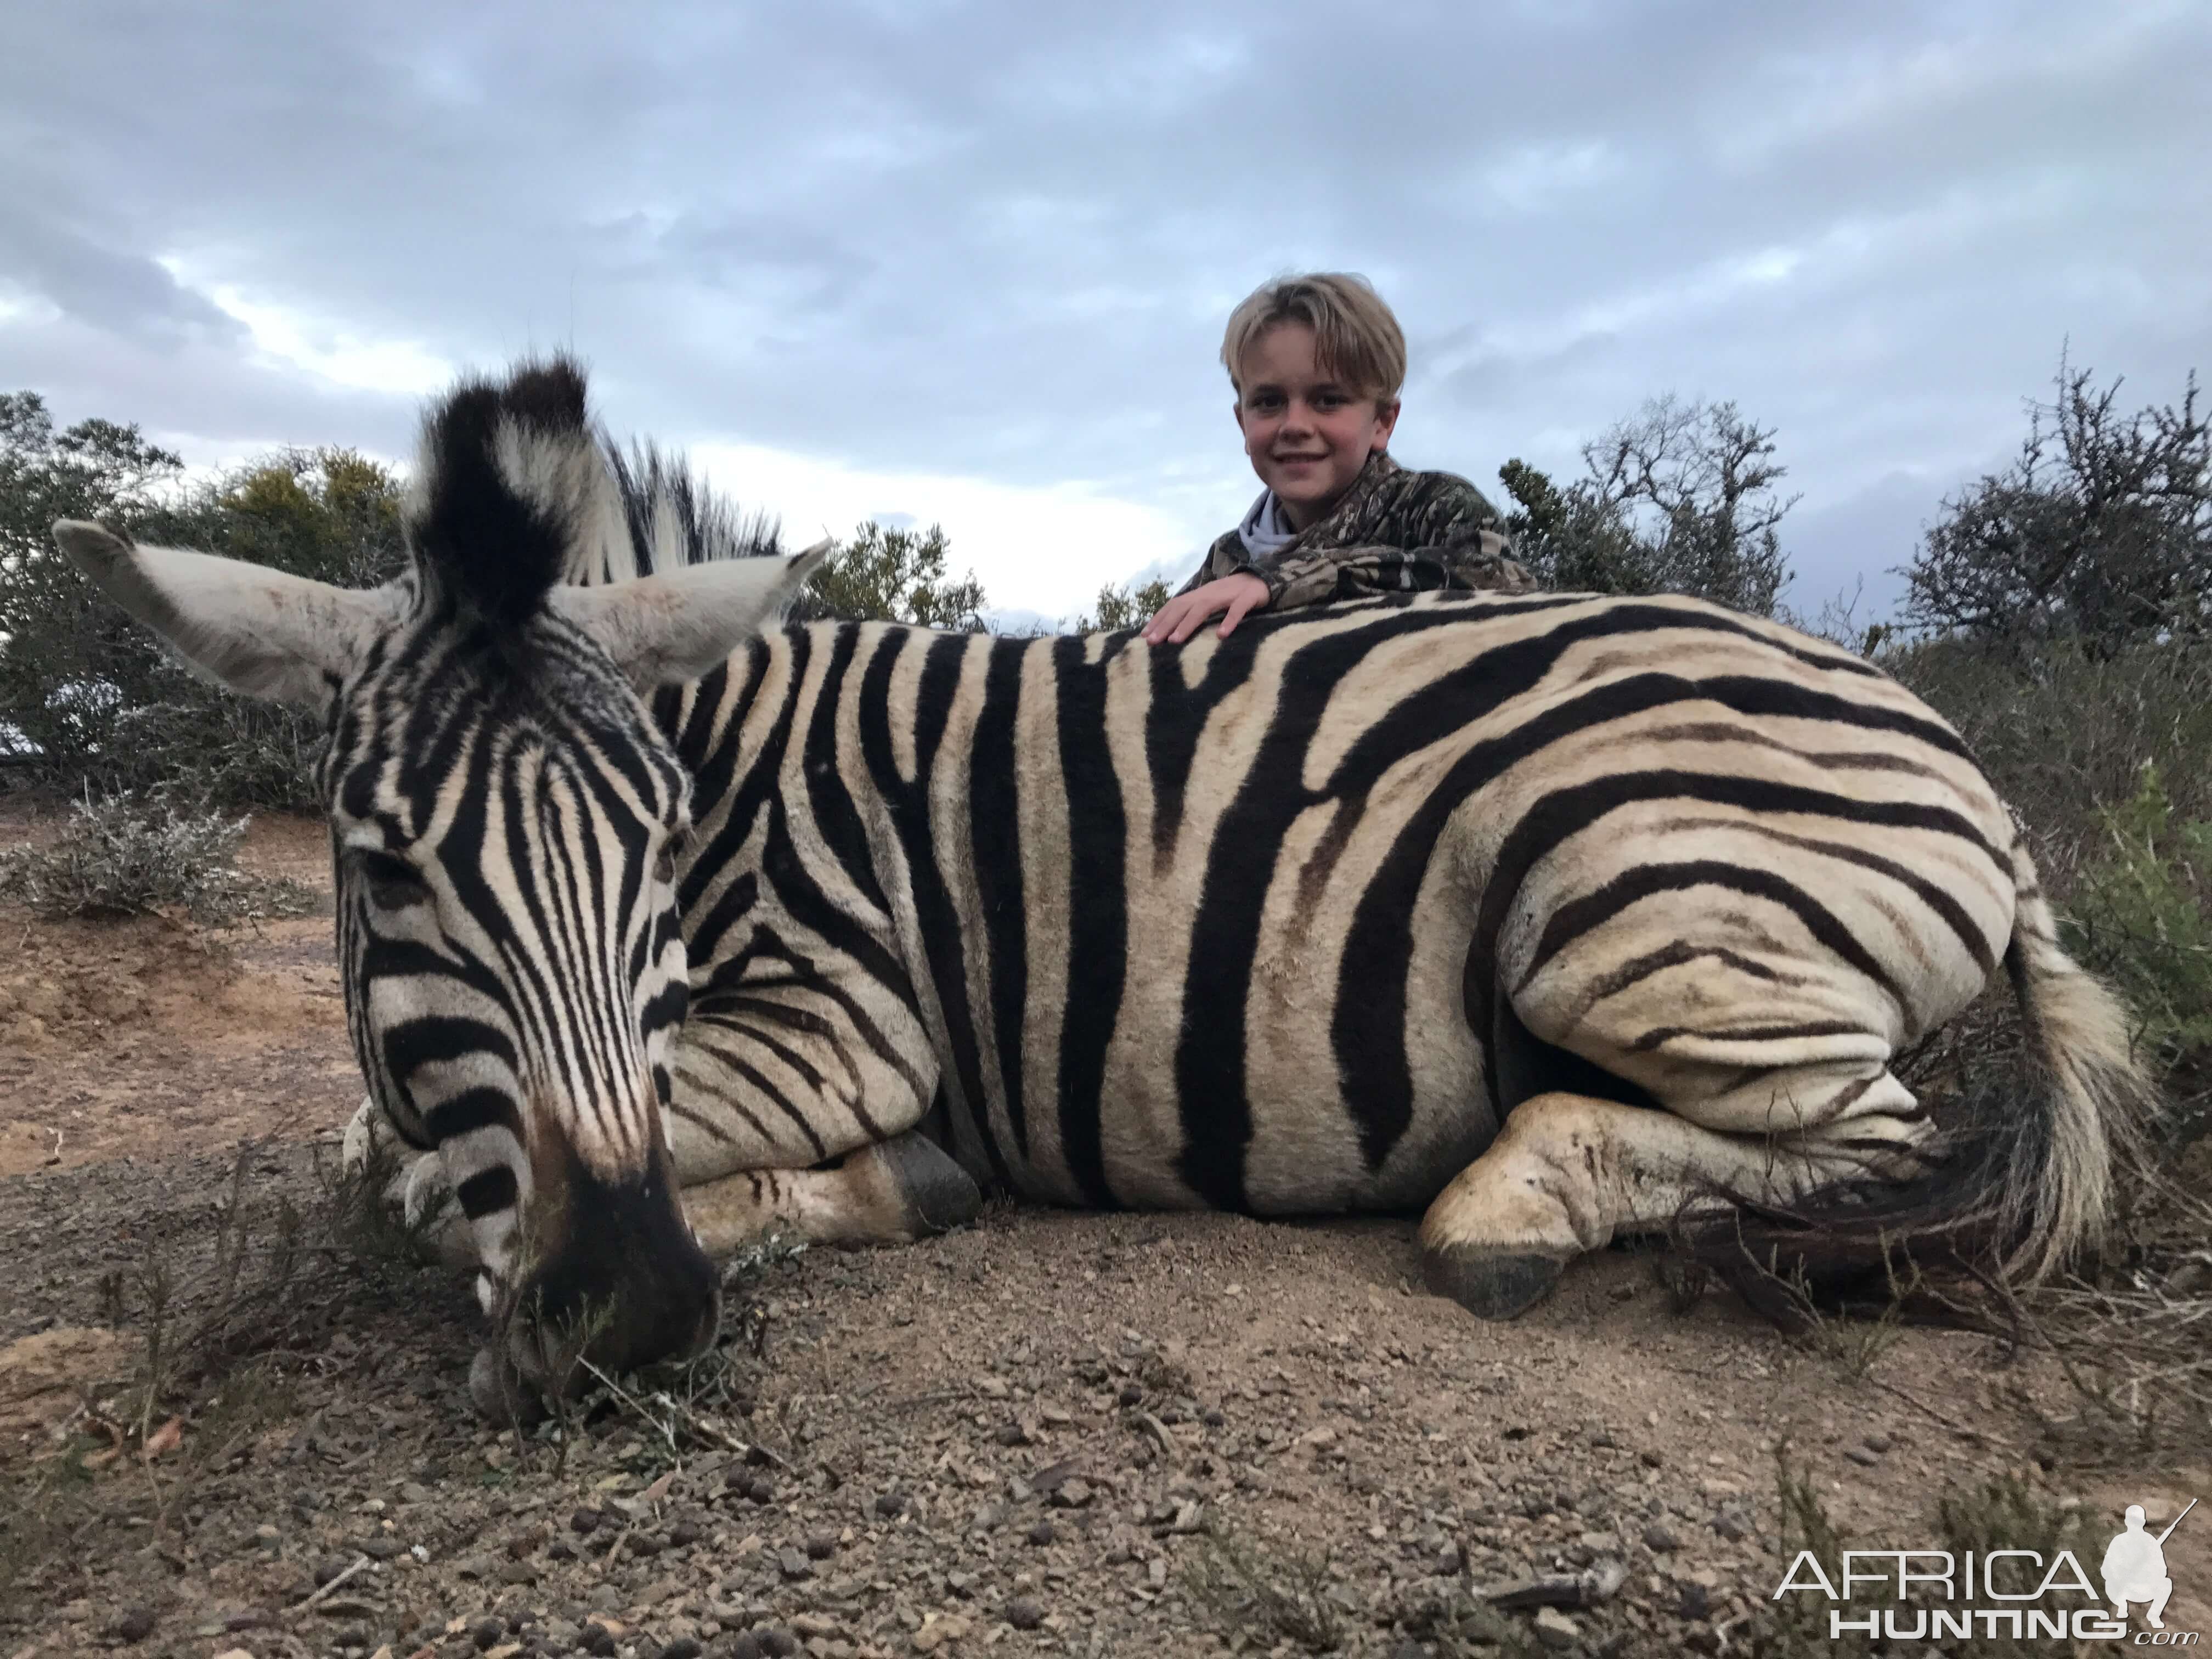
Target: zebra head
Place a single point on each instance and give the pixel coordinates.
(504, 811)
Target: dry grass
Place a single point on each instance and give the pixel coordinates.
(1258, 1596)
(215, 1340)
(2135, 1346)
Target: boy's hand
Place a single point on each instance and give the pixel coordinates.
(1231, 598)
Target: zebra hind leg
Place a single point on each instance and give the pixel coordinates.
(889, 1192)
(1570, 1172)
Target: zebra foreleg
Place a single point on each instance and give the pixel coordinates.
(889, 1192)
(1570, 1172)
(415, 1191)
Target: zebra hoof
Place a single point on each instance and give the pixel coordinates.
(1490, 1284)
(937, 1194)
(500, 1395)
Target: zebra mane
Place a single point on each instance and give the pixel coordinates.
(518, 490)
(674, 520)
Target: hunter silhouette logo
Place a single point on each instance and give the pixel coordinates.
(2026, 1594)
(2134, 1567)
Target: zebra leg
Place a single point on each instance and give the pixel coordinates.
(888, 1192)
(416, 1191)
(1568, 1172)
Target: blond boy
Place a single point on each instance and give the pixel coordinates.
(1318, 362)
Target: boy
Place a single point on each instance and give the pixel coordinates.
(1318, 362)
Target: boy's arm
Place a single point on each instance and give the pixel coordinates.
(1353, 573)
(1441, 532)
(1212, 566)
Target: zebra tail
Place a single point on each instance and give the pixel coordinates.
(2095, 1102)
(2017, 1186)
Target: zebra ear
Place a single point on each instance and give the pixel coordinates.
(260, 631)
(662, 630)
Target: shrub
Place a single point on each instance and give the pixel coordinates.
(2142, 914)
(2101, 532)
(88, 698)
(1680, 500)
(124, 857)
(1121, 606)
(886, 574)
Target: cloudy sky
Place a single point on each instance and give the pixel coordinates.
(970, 263)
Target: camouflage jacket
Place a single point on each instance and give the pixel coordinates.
(1395, 532)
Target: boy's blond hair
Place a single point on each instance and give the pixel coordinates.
(1356, 339)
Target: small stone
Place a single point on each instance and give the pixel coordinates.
(517, 1572)
(1041, 1532)
(381, 1547)
(743, 1645)
(794, 1563)
(584, 1521)
(762, 1490)
(1025, 1613)
(1130, 1395)
(1661, 1540)
(486, 1633)
(890, 1505)
(778, 1644)
(821, 1546)
(1879, 1442)
(329, 1568)
(1649, 1459)
(935, 1635)
(1214, 1417)
(1729, 1527)
(1072, 1494)
(1693, 1604)
(683, 1647)
(1448, 1560)
(1863, 1457)
(598, 1641)
(136, 1625)
(1555, 1630)
(686, 1533)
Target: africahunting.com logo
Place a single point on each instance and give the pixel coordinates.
(2020, 1593)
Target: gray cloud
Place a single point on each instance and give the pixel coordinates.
(1000, 240)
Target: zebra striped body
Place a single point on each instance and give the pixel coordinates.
(1234, 925)
(1550, 914)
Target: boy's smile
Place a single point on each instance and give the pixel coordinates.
(1308, 433)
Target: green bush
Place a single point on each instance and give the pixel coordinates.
(2142, 914)
(88, 698)
(2100, 533)
(886, 574)
(1681, 499)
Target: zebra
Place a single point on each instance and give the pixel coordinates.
(1554, 916)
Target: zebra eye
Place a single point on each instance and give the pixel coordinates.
(393, 884)
(663, 868)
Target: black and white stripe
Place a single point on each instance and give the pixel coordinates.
(1436, 899)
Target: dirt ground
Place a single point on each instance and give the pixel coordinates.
(1047, 1433)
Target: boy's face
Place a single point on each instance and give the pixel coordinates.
(1308, 435)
